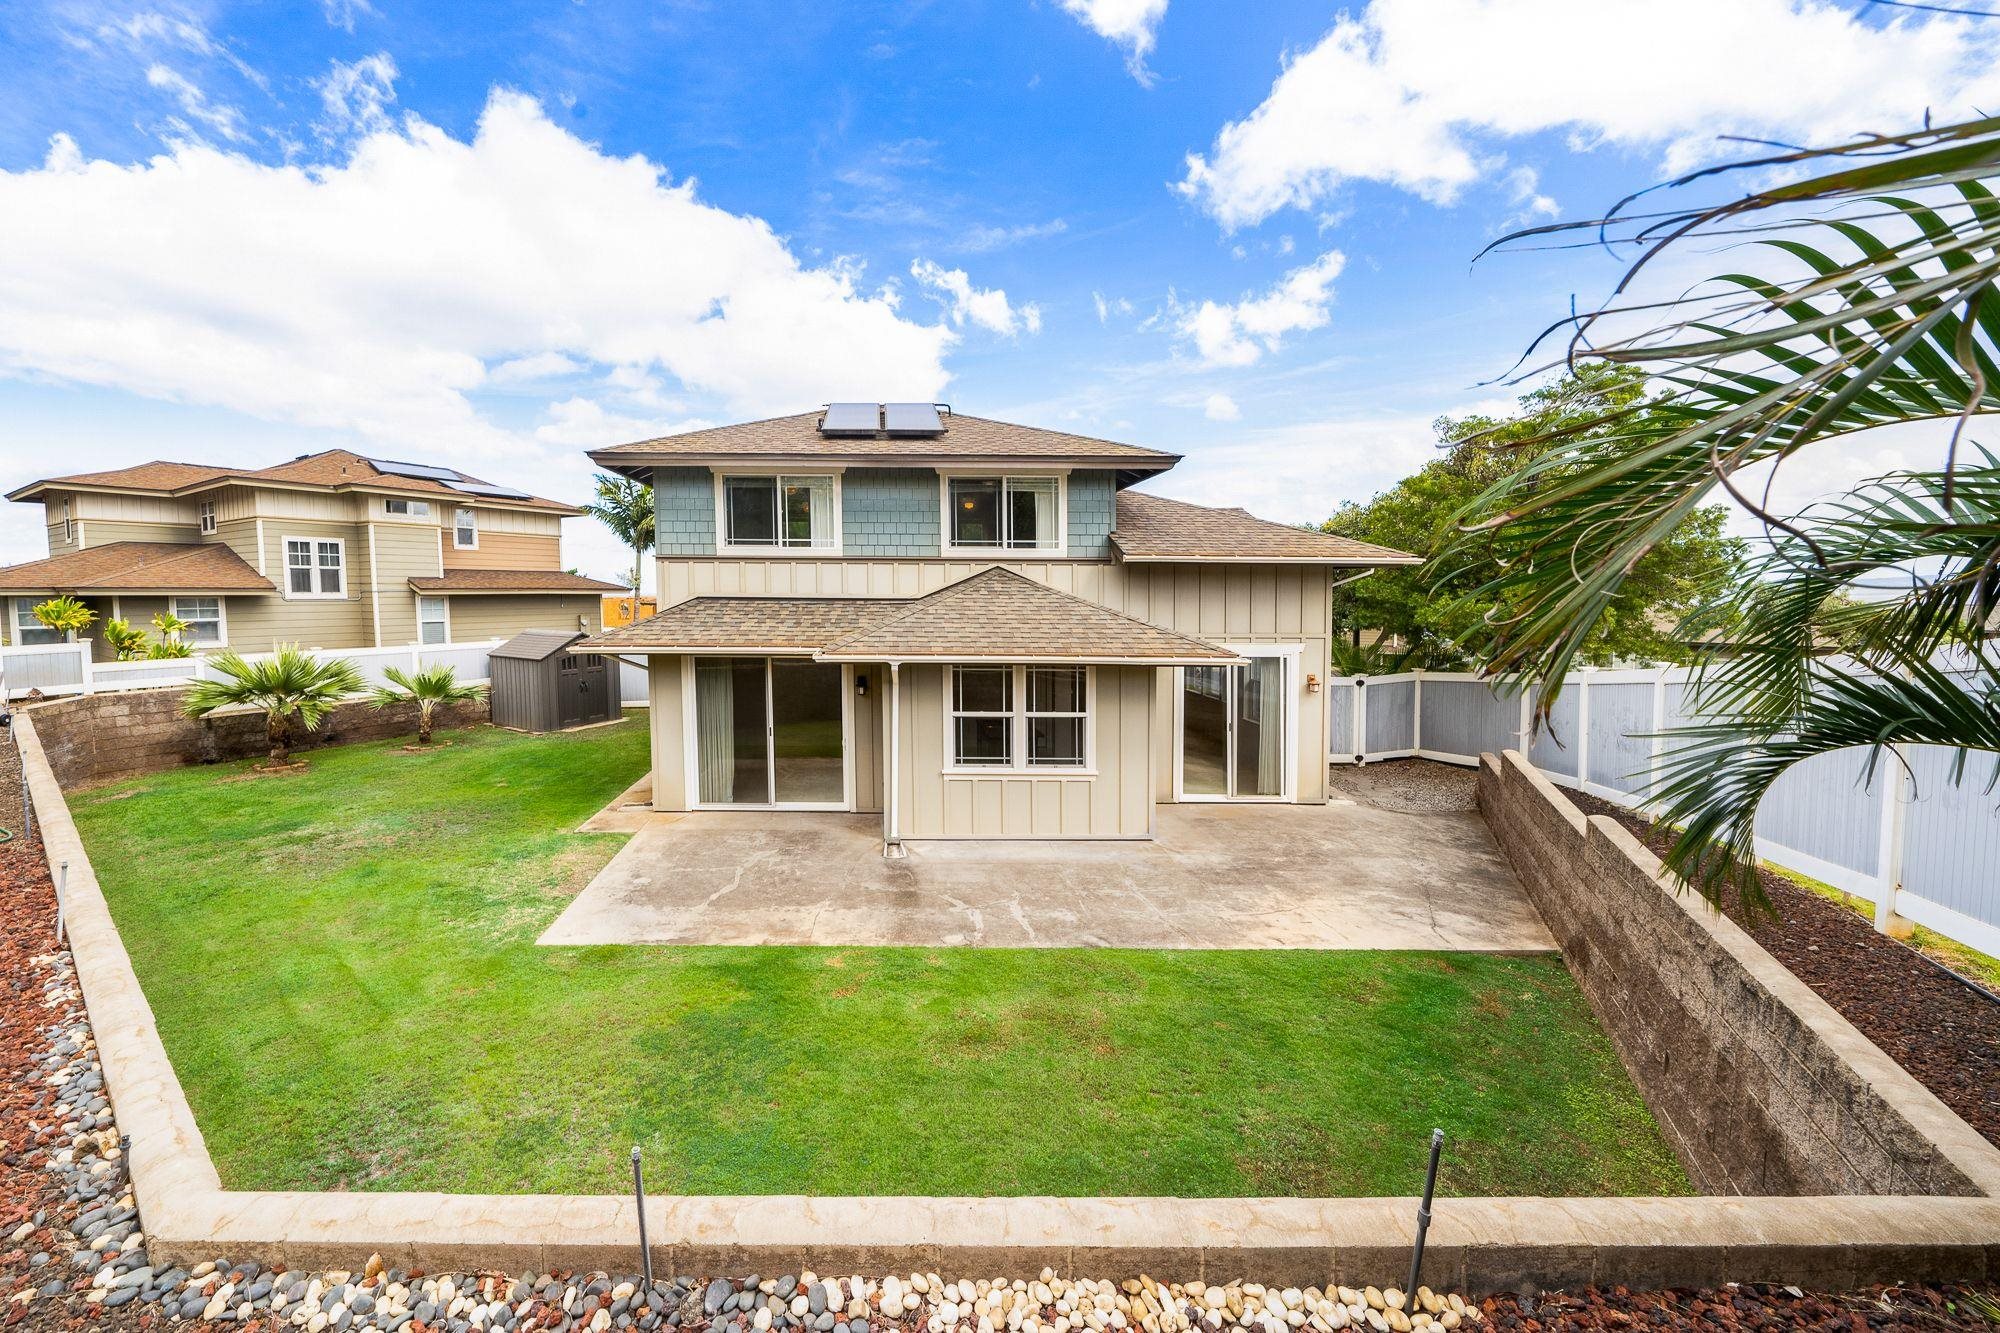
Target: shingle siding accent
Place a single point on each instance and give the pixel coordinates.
(1093, 512)
(684, 510)
(887, 511)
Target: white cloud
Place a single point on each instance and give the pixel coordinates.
(356, 96)
(534, 368)
(220, 117)
(1413, 92)
(981, 239)
(1221, 407)
(987, 307)
(368, 296)
(583, 423)
(1126, 23)
(343, 13)
(1301, 472)
(1240, 334)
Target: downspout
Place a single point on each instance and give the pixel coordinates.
(892, 838)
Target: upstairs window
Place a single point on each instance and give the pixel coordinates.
(411, 508)
(314, 567)
(207, 516)
(204, 619)
(465, 529)
(69, 523)
(1004, 513)
(786, 513)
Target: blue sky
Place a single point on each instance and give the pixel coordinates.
(495, 235)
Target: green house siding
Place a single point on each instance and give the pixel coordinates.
(684, 509)
(888, 511)
(1093, 512)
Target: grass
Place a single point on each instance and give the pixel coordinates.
(1960, 958)
(343, 969)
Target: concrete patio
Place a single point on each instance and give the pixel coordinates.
(1343, 876)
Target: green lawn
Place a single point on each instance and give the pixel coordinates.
(343, 968)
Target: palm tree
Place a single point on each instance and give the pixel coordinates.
(625, 506)
(425, 689)
(287, 683)
(1879, 307)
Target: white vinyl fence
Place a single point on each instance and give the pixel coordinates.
(1915, 843)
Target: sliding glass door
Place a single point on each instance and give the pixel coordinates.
(1234, 722)
(769, 731)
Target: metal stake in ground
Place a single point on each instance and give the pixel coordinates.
(1424, 1213)
(639, 1193)
(62, 897)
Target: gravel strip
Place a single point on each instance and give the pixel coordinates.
(1407, 786)
(1929, 1022)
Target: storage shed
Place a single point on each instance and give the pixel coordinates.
(540, 683)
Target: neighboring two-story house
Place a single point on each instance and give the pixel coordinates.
(975, 628)
(330, 550)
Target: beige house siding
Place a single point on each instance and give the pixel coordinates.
(504, 550)
(1116, 803)
(663, 710)
(871, 734)
(316, 622)
(400, 552)
(493, 616)
(1228, 604)
(104, 531)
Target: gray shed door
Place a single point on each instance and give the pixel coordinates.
(582, 689)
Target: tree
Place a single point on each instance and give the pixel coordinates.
(625, 505)
(1442, 615)
(1874, 303)
(425, 689)
(286, 684)
(66, 615)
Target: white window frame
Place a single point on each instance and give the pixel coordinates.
(313, 544)
(69, 521)
(1018, 764)
(205, 517)
(457, 528)
(1292, 655)
(410, 508)
(221, 639)
(778, 476)
(1060, 551)
(444, 620)
(23, 622)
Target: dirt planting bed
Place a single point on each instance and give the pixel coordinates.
(1944, 1032)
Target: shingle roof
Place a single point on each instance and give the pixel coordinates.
(1152, 527)
(751, 622)
(334, 469)
(997, 614)
(139, 567)
(511, 580)
(536, 645)
(964, 437)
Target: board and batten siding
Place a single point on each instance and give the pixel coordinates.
(1115, 801)
(400, 552)
(663, 717)
(1228, 604)
(503, 615)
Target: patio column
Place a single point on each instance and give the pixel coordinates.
(892, 841)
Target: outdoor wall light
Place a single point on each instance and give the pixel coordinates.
(1312, 684)
(861, 686)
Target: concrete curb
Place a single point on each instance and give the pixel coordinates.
(1477, 1245)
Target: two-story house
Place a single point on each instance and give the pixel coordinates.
(329, 550)
(976, 628)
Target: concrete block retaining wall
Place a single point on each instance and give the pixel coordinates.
(1759, 1084)
(93, 738)
(1476, 1245)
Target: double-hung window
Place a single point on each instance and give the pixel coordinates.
(465, 529)
(778, 512)
(314, 567)
(28, 630)
(204, 618)
(207, 511)
(433, 620)
(1004, 513)
(1020, 717)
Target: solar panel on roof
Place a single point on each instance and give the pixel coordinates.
(912, 419)
(851, 419)
(423, 470)
(486, 488)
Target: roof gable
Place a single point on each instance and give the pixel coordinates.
(139, 567)
(330, 469)
(1152, 527)
(967, 438)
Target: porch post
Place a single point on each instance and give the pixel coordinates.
(892, 841)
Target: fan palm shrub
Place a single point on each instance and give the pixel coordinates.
(425, 689)
(1866, 298)
(287, 685)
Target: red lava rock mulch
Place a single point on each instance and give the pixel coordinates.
(1928, 1021)
(1750, 1307)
